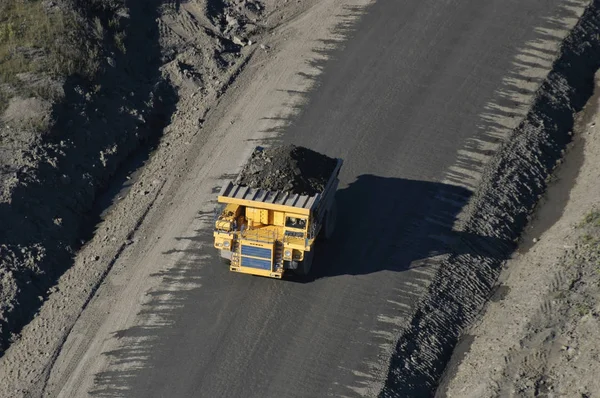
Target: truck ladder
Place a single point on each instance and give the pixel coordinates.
(235, 253)
(278, 257)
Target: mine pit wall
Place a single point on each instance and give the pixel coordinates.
(46, 214)
(500, 208)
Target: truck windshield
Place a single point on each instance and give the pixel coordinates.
(295, 222)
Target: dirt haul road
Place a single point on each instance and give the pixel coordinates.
(417, 99)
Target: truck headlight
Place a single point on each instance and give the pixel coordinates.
(226, 243)
(287, 253)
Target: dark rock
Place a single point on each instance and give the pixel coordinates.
(287, 168)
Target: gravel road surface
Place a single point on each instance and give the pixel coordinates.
(415, 101)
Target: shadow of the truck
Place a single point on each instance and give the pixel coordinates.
(391, 224)
(383, 224)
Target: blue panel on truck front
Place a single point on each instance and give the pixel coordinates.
(256, 263)
(256, 252)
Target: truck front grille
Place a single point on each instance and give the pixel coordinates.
(256, 252)
(256, 263)
(256, 257)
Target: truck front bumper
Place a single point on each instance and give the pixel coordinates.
(256, 271)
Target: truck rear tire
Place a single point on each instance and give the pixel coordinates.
(330, 220)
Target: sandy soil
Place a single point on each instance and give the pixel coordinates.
(538, 335)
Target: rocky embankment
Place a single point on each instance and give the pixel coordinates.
(500, 208)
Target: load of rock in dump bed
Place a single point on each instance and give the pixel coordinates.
(287, 168)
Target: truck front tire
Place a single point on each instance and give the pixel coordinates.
(304, 266)
(225, 256)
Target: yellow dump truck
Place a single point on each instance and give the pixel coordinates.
(272, 233)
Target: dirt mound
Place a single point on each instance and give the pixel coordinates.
(57, 166)
(287, 168)
(500, 208)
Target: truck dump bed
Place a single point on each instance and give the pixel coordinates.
(268, 199)
(288, 176)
